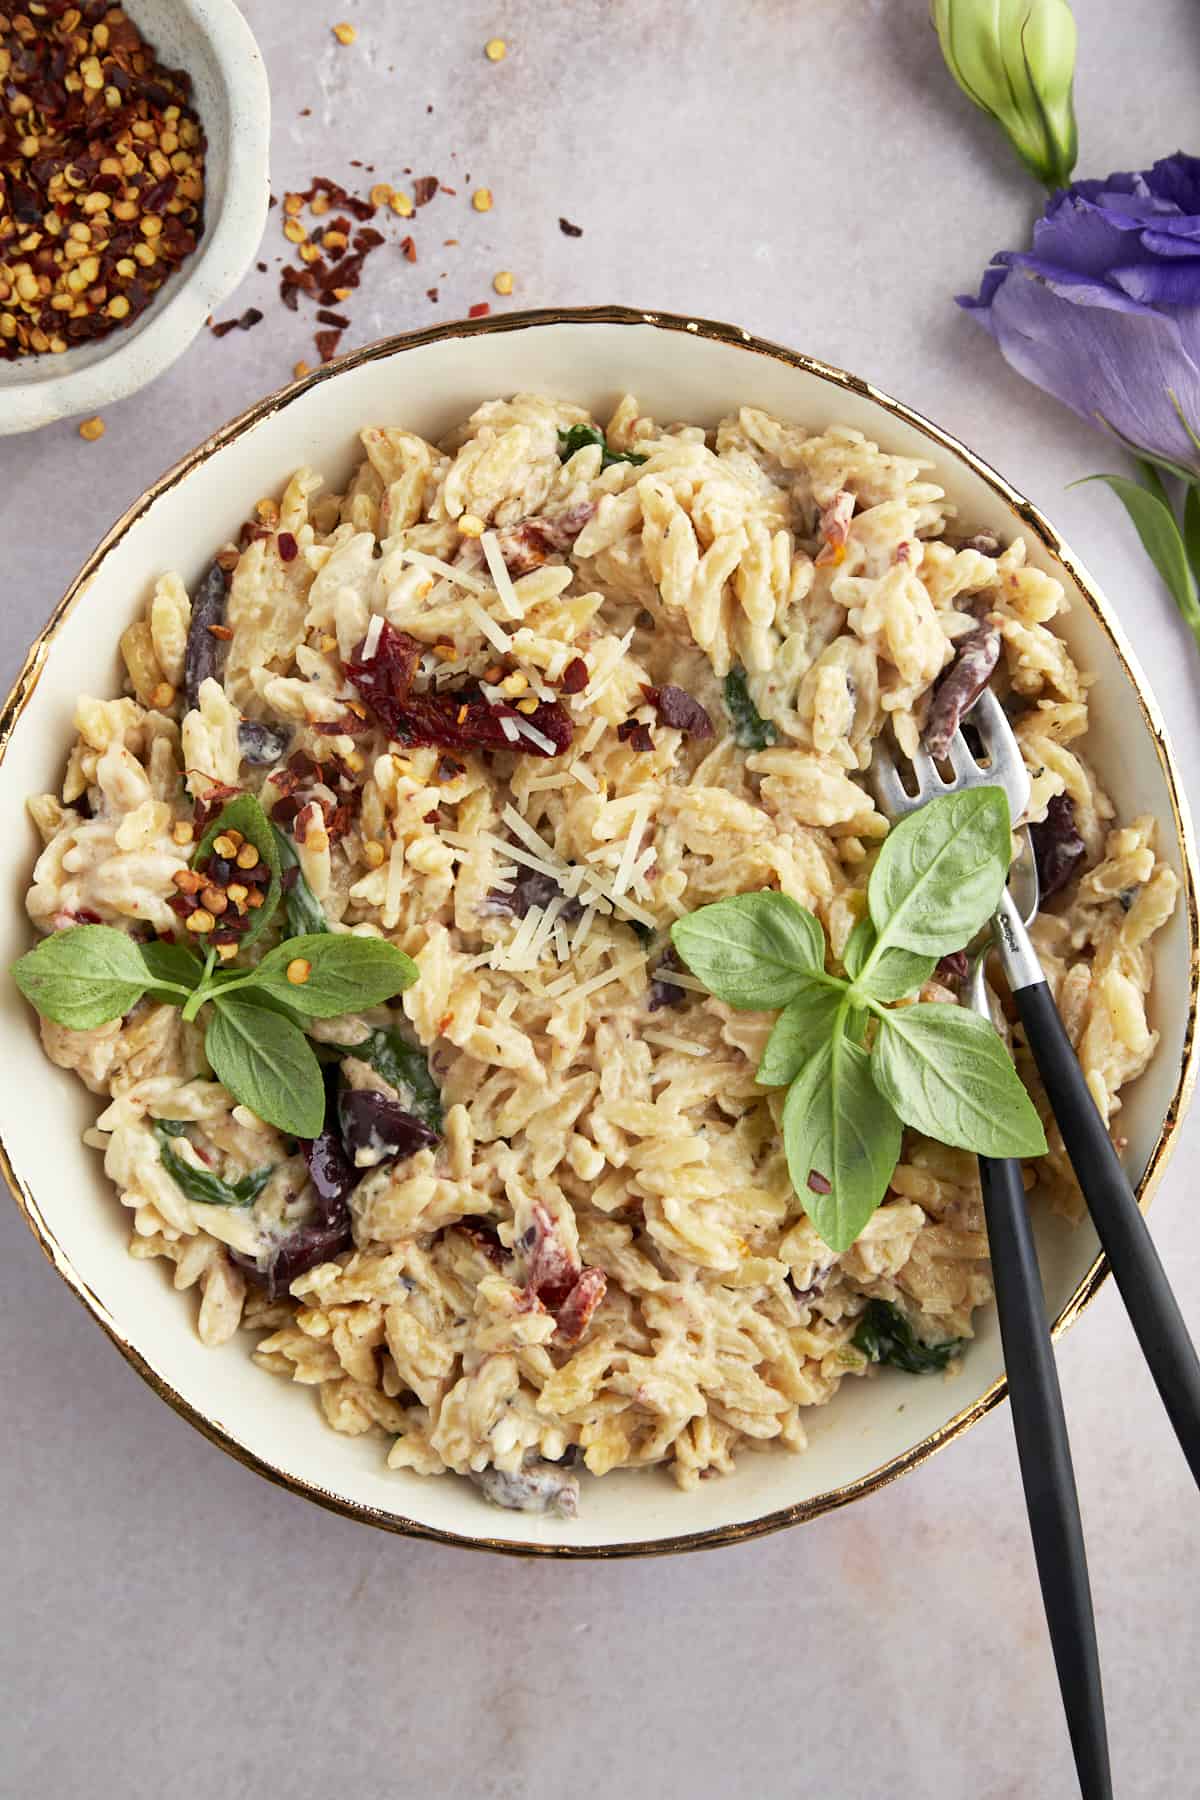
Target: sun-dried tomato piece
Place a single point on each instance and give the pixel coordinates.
(676, 707)
(575, 1313)
(636, 735)
(575, 676)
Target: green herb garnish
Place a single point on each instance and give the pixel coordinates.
(937, 1068)
(305, 914)
(200, 1184)
(254, 1041)
(403, 1066)
(580, 436)
(750, 730)
(884, 1335)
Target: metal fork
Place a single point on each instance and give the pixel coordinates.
(1043, 1448)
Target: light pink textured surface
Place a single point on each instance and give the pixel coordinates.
(175, 1625)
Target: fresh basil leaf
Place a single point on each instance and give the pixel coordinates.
(244, 814)
(267, 1064)
(249, 995)
(947, 1074)
(801, 1028)
(305, 914)
(753, 950)
(172, 965)
(940, 873)
(172, 1127)
(884, 1335)
(842, 1140)
(1155, 525)
(84, 976)
(202, 1184)
(750, 730)
(404, 1066)
(580, 436)
(897, 974)
(345, 974)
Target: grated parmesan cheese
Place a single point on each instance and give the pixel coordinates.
(584, 777)
(539, 738)
(435, 565)
(615, 972)
(495, 634)
(641, 813)
(601, 678)
(501, 578)
(684, 1045)
(509, 728)
(676, 978)
(371, 641)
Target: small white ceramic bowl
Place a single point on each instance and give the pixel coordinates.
(212, 41)
(680, 369)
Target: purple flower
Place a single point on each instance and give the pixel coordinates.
(1104, 312)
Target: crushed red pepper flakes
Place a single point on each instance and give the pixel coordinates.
(409, 249)
(480, 310)
(84, 97)
(332, 318)
(251, 317)
(569, 230)
(431, 294)
(327, 343)
(424, 188)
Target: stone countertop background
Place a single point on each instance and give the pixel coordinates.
(177, 1626)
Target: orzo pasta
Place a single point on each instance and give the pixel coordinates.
(518, 706)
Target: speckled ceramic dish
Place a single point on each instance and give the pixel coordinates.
(213, 42)
(679, 368)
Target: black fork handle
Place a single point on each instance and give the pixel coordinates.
(1152, 1307)
(1044, 1453)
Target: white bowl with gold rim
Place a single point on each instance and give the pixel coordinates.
(679, 368)
(212, 41)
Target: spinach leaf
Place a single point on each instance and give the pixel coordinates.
(405, 1067)
(305, 914)
(884, 1335)
(946, 1073)
(752, 950)
(201, 1184)
(750, 730)
(580, 436)
(842, 1140)
(940, 873)
(84, 976)
(345, 973)
(267, 1064)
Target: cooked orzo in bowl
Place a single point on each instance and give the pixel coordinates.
(515, 701)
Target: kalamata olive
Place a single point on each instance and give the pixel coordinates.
(262, 744)
(376, 1128)
(1058, 848)
(205, 653)
(960, 687)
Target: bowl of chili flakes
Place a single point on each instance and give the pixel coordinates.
(133, 193)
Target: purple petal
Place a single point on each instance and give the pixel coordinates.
(1115, 363)
(1173, 283)
(1177, 180)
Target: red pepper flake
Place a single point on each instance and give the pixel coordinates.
(453, 192)
(575, 676)
(251, 317)
(223, 329)
(424, 188)
(480, 310)
(332, 318)
(431, 294)
(224, 632)
(288, 547)
(636, 735)
(569, 230)
(409, 249)
(261, 267)
(327, 343)
(818, 1183)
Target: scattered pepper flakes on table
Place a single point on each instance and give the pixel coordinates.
(424, 188)
(503, 282)
(400, 203)
(91, 429)
(480, 310)
(481, 199)
(569, 230)
(345, 34)
(495, 49)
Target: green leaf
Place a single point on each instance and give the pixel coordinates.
(1191, 528)
(267, 1064)
(404, 1066)
(244, 814)
(84, 976)
(201, 1184)
(172, 966)
(946, 1073)
(940, 873)
(580, 436)
(750, 730)
(897, 974)
(305, 914)
(800, 1030)
(345, 974)
(752, 950)
(1161, 540)
(884, 1335)
(839, 1131)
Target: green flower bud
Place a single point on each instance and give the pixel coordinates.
(1016, 60)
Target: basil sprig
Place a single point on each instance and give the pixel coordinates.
(856, 1070)
(254, 1040)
